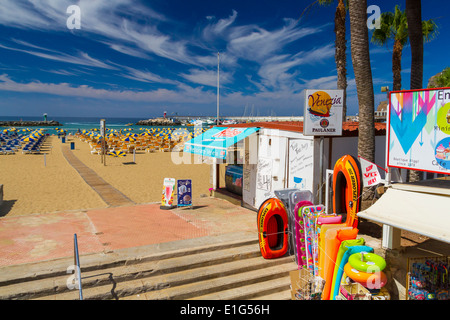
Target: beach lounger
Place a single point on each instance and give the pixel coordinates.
(8, 150)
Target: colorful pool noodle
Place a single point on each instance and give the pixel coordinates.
(342, 249)
(322, 230)
(333, 239)
(299, 233)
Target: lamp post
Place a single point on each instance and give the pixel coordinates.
(218, 61)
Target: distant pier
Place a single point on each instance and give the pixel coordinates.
(18, 123)
(242, 118)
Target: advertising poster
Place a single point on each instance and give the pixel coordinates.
(167, 193)
(184, 188)
(264, 174)
(419, 130)
(323, 112)
(300, 164)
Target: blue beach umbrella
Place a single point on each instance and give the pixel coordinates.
(128, 139)
(117, 153)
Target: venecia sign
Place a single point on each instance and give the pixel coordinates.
(323, 112)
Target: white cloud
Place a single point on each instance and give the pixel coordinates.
(216, 29)
(183, 94)
(207, 77)
(82, 59)
(254, 43)
(146, 76)
(280, 72)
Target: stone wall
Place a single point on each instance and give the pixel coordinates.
(52, 123)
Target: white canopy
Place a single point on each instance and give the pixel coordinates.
(420, 208)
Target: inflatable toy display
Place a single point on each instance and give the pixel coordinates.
(342, 250)
(333, 239)
(294, 198)
(290, 197)
(368, 280)
(272, 228)
(300, 239)
(367, 262)
(325, 245)
(339, 268)
(347, 188)
(321, 243)
(329, 219)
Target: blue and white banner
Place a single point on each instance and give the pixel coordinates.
(214, 142)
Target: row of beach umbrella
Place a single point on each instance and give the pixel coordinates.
(127, 135)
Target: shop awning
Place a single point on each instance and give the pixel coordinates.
(419, 210)
(214, 142)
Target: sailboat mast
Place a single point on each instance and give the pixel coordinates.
(218, 61)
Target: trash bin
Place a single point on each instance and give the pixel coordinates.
(72, 146)
(63, 139)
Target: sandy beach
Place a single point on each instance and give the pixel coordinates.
(34, 186)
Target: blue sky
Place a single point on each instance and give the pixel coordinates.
(135, 58)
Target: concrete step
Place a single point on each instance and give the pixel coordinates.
(120, 281)
(216, 267)
(164, 263)
(23, 273)
(258, 290)
(222, 283)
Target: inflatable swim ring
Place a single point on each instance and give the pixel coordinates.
(347, 188)
(369, 280)
(272, 228)
(344, 260)
(367, 262)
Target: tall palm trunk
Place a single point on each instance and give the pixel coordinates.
(397, 65)
(359, 42)
(340, 54)
(415, 34)
(363, 76)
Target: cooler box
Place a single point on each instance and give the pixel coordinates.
(233, 179)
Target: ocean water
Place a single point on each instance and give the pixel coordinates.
(72, 124)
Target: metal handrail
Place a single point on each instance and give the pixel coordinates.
(77, 263)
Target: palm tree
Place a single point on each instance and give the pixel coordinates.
(394, 26)
(415, 34)
(341, 48)
(340, 45)
(359, 41)
(414, 18)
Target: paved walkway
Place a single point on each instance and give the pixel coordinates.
(40, 237)
(107, 192)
